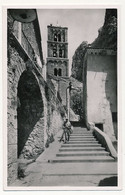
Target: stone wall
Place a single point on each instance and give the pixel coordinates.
(28, 38)
(25, 114)
(55, 113)
(63, 84)
(33, 107)
(16, 65)
(30, 34)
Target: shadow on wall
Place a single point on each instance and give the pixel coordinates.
(111, 181)
(29, 114)
(105, 69)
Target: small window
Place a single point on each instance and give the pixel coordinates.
(54, 52)
(60, 72)
(55, 37)
(55, 71)
(60, 53)
(63, 37)
(59, 37)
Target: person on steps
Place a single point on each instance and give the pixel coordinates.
(67, 130)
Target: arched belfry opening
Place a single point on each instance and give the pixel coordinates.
(60, 53)
(55, 71)
(60, 72)
(30, 116)
(59, 37)
(55, 37)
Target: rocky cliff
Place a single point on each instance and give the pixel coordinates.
(107, 38)
(76, 97)
(77, 61)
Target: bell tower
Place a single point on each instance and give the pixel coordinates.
(57, 51)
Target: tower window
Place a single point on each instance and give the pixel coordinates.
(55, 37)
(54, 52)
(59, 37)
(60, 72)
(60, 53)
(55, 71)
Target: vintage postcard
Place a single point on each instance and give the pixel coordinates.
(61, 75)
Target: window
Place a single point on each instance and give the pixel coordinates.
(59, 37)
(54, 52)
(63, 36)
(55, 71)
(55, 37)
(60, 53)
(60, 72)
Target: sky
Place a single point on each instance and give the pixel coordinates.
(83, 25)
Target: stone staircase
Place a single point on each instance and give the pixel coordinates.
(82, 147)
(81, 162)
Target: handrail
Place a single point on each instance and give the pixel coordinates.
(105, 141)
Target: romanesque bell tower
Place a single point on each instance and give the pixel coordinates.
(57, 46)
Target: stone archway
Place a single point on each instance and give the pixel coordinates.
(30, 117)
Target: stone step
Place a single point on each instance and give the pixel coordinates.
(81, 142)
(80, 168)
(81, 145)
(81, 136)
(82, 132)
(76, 159)
(82, 149)
(83, 153)
(82, 139)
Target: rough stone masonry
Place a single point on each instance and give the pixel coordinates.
(33, 106)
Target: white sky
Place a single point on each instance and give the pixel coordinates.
(83, 25)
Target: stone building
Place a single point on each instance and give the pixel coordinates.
(57, 59)
(32, 104)
(57, 45)
(58, 63)
(100, 89)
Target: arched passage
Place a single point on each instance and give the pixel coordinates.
(30, 117)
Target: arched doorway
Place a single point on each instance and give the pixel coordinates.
(30, 117)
